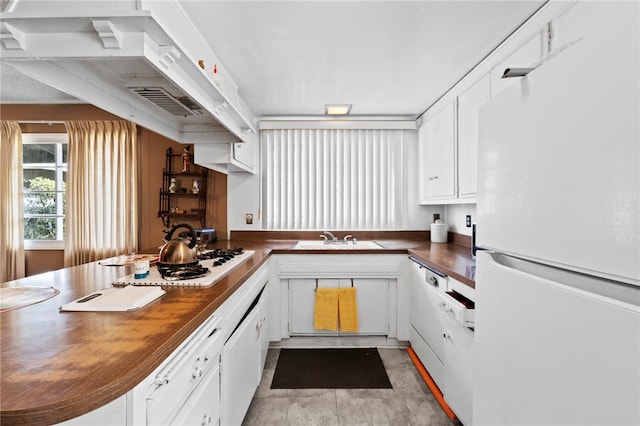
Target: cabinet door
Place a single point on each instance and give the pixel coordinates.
(302, 299)
(240, 370)
(458, 372)
(469, 104)
(263, 327)
(372, 300)
(203, 406)
(245, 154)
(437, 156)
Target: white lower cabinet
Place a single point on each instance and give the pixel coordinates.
(203, 407)
(440, 338)
(263, 325)
(371, 298)
(376, 277)
(180, 389)
(242, 363)
(458, 373)
(113, 413)
(212, 376)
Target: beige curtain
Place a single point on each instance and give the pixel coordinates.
(102, 179)
(11, 211)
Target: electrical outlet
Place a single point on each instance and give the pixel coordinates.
(468, 221)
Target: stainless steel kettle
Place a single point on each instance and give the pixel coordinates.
(179, 251)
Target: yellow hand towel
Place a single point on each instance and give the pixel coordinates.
(326, 309)
(348, 309)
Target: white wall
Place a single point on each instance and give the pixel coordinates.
(244, 195)
(455, 216)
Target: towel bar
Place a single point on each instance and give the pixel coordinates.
(334, 278)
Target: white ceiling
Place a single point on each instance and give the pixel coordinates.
(289, 58)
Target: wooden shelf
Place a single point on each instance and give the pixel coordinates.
(183, 194)
(171, 214)
(190, 201)
(200, 175)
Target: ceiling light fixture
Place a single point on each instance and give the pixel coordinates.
(337, 109)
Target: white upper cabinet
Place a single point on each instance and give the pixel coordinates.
(469, 104)
(437, 156)
(448, 137)
(448, 148)
(227, 157)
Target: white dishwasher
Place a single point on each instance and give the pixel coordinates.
(426, 319)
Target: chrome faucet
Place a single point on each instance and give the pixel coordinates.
(346, 238)
(333, 237)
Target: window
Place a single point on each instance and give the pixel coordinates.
(333, 179)
(44, 163)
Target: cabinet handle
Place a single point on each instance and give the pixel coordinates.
(445, 335)
(433, 178)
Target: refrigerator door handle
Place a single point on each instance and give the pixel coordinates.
(613, 292)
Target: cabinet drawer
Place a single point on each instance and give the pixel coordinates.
(458, 307)
(182, 373)
(203, 406)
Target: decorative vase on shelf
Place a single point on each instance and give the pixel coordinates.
(173, 187)
(186, 160)
(196, 186)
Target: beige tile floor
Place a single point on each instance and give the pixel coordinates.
(409, 402)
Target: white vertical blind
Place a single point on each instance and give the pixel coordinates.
(333, 179)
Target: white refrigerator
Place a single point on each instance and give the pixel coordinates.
(557, 337)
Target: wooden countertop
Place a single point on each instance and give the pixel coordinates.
(58, 365)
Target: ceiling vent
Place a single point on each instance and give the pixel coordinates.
(160, 97)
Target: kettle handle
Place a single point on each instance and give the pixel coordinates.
(192, 243)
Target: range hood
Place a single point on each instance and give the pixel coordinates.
(140, 60)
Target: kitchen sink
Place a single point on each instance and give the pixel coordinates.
(339, 245)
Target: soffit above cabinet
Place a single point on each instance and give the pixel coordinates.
(130, 63)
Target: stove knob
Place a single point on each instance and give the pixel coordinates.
(217, 263)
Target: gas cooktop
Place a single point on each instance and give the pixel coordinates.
(212, 265)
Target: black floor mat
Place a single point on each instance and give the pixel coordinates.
(359, 368)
